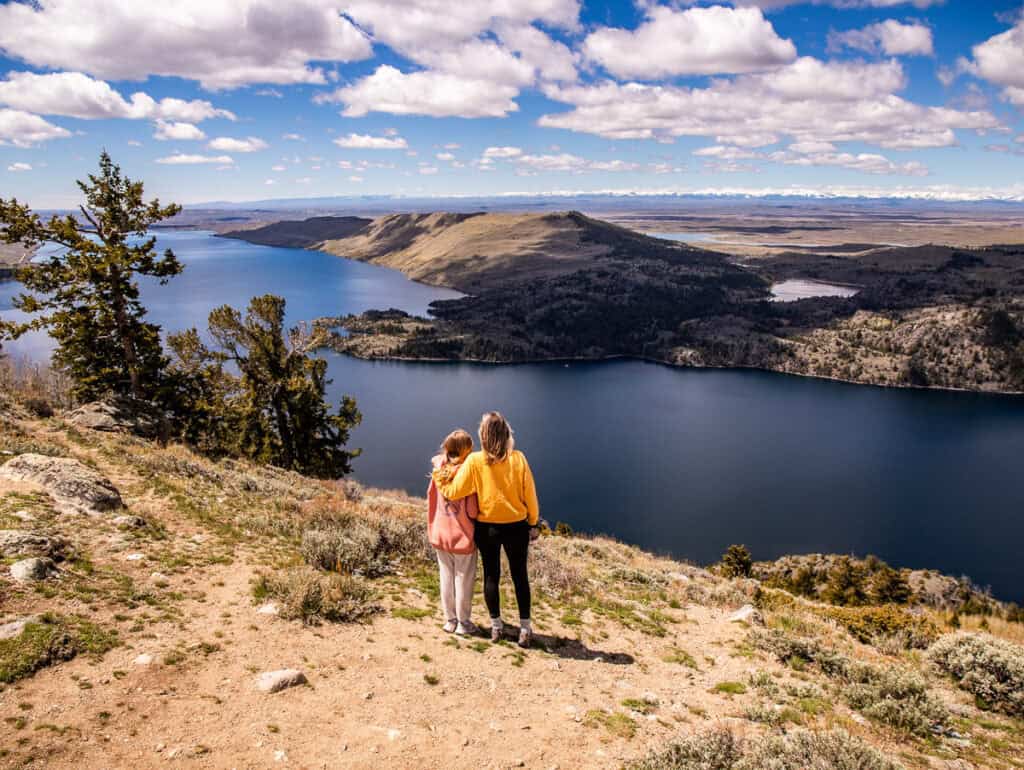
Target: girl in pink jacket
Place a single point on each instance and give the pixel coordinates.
(450, 531)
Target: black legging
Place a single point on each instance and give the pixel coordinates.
(515, 539)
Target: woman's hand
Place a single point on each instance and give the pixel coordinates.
(534, 533)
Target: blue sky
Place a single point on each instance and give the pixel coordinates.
(254, 99)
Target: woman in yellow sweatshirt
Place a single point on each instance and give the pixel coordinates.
(509, 515)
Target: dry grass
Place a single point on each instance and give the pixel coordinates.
(40, 388)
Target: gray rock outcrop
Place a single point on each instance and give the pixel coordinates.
(275, 681)
(17, 542)
(33, 570)
(118, 414)
(75, 487)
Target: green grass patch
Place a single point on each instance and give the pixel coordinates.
(681, 657)
(410, 613)
(618, 724)
(51, 640)
(730, 688)
(638, 705)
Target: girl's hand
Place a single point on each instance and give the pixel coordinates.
(534, 533)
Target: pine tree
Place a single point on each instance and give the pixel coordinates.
(283, 416)
(737, 562)
(845, 583)
(889, 586)
(88, 296)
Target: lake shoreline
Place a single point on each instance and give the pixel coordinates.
(1012, 394)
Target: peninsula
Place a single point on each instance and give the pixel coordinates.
(544, 286)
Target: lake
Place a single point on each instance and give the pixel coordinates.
(678, 461)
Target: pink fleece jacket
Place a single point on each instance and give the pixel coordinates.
(450, 523)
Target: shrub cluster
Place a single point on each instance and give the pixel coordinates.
(872, 625)
(310, 596)
(798, 750)
(990, 669)
(890, 695)
(358, 545)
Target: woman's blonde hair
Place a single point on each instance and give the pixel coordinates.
(495, 437)
(457, 443)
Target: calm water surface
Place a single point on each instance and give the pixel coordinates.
(679, 461)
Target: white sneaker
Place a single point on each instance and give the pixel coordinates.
(449, 627)
(468, 628)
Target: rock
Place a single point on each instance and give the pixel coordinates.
(275, 681)
(15, 627)
(18, 542)
(119, 414)
(268, 609)
(747, 614)
(135, 557)
(32, 570)
(75, 487)
(130, 522)
(23, 515)
(144, 659)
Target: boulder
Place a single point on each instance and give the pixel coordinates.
(275, 681)
(33, 570)
(129, 522)
(74, 486)
(747, 614)
(18, 542)
(15, 627)
(119, 414)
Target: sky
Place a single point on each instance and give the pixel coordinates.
(241, 100)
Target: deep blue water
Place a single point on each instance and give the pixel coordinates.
(678, 461)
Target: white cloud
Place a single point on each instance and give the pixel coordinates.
(447, 156)
(20, 167)
(293, 137)
(74, 95)
(696, 41)
(279, 168)
(367, 142)
(807, 101)
(867, 163)
(502, 152)
(177, 132)
(304, 180)
(269, 181)
(891, 37)
(428, 170)
(272, 92)
(1000, 60)
(771, 5)
(134, 143)
(355, 178)
(413, 27)
(222, 44)
(476, 55)
(453, 146)
(437, 94)
(23, 129)
(181, 159)
(229, 144)
(572, 163)
(551, 60)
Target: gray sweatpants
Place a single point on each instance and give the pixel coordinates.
(458, 571)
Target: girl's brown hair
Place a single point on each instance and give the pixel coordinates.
(495, 437)
(457, 443)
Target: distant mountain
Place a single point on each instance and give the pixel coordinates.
(470, 251)
(304, 234)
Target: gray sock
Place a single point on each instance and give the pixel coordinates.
(525, 624)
